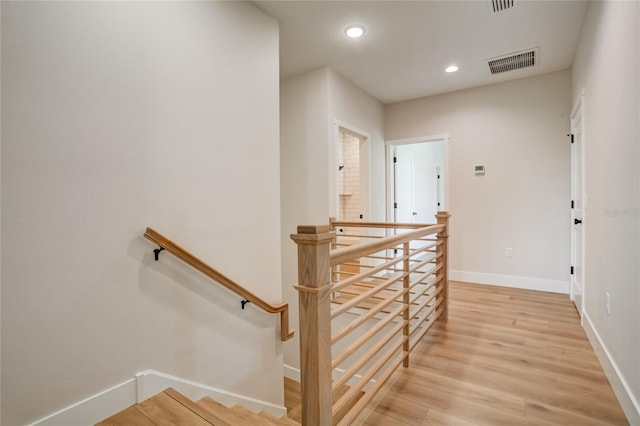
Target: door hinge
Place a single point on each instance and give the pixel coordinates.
(573, 204)
(395, 159)
(438, 204)
(438, 176)
(572, 270)
(395, 205)
(571, 135)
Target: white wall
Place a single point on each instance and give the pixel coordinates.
(606, 67)
(117, 116)
(304, 176)
(352, 106)
(310, 104)
(517, 131)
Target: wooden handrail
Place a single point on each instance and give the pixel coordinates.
(194, 262)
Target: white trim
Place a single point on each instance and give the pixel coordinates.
(146, 384)
(418, 139)
(95, 408)
(630, 404)
(514, 281)
(292, 373)
(353, 129)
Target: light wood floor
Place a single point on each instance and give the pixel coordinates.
(504, 357)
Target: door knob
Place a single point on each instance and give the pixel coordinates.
(577, 221)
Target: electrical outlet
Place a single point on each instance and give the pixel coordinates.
(607, 301)
(508, 252)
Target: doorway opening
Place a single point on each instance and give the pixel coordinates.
(349, 191)
(351, 186)
(417, 179)
(351, 173)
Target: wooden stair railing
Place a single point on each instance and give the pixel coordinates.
(194, 262)
(363, 307)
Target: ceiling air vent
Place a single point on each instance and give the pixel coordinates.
(501, 5)
(513, 61)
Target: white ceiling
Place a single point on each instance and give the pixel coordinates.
(408, 44)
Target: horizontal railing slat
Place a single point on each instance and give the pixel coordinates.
(356, 251)
(370, 394)
(386, 225)
(363, 318)
(354, 368)
(353, 347)
(367, 376)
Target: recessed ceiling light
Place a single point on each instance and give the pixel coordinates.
(354, 31)
(451, 68)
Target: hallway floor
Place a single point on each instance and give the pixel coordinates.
(504, 357)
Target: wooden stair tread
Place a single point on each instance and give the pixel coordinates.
(284, 420)
(287, 421)
(261, 418)
(237, 414)
(127, 417)
(162, 409)
(170, 407)
(197, 409)
(292, 399)
(218, 409)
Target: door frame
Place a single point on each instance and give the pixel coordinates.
(365, 168)
(578, 115)
(389, 170)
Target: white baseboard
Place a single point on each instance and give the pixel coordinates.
(146, 384)
(514, 281)
(292, 373)
(629, 403)
(95, 408)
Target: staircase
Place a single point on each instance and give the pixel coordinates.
(398, 280)
(171, 407)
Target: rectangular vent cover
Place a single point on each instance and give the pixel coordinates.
(513, 61)
(501, 5)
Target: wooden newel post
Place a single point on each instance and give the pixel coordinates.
(443, 236)
(314, 243)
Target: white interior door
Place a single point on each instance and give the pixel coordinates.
(577, 210)
(404, 187)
